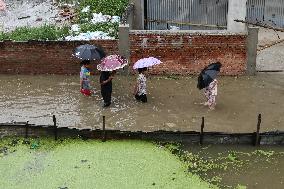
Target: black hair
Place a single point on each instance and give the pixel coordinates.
(85, 62)
(140, 70)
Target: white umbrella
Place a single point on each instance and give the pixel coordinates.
(146, 62)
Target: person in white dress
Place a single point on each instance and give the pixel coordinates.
(140, 89)
(210, 93)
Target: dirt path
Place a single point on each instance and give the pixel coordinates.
(171, 103)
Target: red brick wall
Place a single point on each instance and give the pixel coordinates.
(45, 57)
(184, 53)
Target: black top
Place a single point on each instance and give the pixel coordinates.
(104, 76)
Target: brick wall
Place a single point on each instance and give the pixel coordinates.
(181, 52)
(187, 53)
(45, 57)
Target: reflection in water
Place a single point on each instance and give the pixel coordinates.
(172, 103)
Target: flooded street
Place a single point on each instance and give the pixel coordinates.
(172, 103)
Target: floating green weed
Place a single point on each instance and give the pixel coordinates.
(241, 187)
(264, 153)
(75, 163)
(205, 165)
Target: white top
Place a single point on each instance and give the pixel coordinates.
(141, 82)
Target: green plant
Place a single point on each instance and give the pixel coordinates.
(45, 32)
(232, 157)
(106, 7)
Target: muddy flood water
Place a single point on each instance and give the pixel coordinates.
(172, 103)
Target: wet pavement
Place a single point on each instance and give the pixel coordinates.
(173, 103)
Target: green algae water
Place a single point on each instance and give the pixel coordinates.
(235, 166)
(74, 163)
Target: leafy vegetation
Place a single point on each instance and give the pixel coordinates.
(45, 32)
(106, 7)
(52, 32)
(110, 28)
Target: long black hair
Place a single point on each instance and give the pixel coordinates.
(140, 70)
(85, 62)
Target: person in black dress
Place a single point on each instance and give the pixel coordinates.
(106, 86)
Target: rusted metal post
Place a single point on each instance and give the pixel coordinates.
(27, 127)
(104, 129)
(55, 127)
(257, 136)
(201, 132)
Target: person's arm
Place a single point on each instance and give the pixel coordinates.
(106, 81)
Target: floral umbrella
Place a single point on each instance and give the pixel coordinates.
(2, 6)
(146, 62)
(112, 62)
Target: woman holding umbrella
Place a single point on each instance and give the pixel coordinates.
(106, 86)
(108, 68)
(140, 87)
(207, 81)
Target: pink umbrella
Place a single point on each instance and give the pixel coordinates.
(112, 62)
(2, 6)
(146, 62)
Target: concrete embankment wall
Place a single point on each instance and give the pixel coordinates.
(22, 130)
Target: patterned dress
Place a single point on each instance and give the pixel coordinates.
(85, 77)
(141, 85)
(210, 93)
(141, 81)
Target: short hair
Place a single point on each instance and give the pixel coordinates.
(85, 62)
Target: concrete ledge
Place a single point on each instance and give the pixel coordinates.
(188, 32)
(268, 138)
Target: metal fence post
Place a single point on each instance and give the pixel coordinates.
(104, 129)
(27, 127)
(257, 136)
(55, 127)
(201, 132)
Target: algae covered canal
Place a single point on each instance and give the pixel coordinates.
(77, 163)
(74, 163)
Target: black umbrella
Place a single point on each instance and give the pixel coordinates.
(89, 52)
(208, 74)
